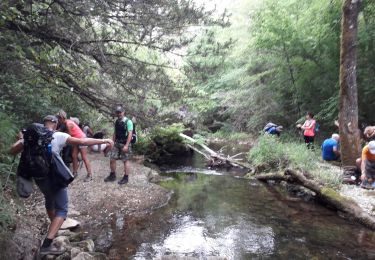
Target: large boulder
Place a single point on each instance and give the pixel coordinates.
(104, 240)
(62, 243)
(87, 245)
(70, 223)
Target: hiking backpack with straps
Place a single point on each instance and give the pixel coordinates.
(134, 134)
(36, 156)
(268, 126)
(121, 131)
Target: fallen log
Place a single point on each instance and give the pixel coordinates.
(274, 177)
(329, 196)
(215, 158)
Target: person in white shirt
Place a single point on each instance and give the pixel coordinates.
(56, 201)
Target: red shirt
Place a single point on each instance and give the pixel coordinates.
(309, 126)
(74, 131)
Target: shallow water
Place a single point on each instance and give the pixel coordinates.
(218, 213)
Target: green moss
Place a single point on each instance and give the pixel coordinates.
(332, 194)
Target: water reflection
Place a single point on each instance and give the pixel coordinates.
(195, 238)
(212, 215)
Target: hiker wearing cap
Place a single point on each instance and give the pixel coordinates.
(308, 130)
(56, 199)
(331, 148)
(122, 147)
(368, 166)
(74, 130)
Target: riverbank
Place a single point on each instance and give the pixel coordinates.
(291, 162)
(93, 204)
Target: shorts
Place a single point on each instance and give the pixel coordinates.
(118, 154)
(98, 147)
(55, 199)
(370, 169)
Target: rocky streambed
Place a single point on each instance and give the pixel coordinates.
(93, 204)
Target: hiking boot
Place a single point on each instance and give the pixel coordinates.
(50, 250)
(88, 178)
(110, 177)
(124, 180)
(366, 185)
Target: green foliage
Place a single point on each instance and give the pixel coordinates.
(161, 141)
(7, 169)
(283, 63)
(167, 135)
(143, 144)
(274, 154)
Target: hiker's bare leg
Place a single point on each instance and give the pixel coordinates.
(75, 151)
(83, 151)
(112, 165)
(54, 227)
(127, 167)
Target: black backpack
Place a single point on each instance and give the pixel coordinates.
(36, 157)
(134, 133)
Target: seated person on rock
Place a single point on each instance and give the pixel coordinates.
(369, 133)
(101, 147)
(273, 129)
(331, 148)
(368, 166)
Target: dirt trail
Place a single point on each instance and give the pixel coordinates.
(91, 203)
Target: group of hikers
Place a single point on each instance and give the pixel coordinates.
(65, 132)
(331, 147)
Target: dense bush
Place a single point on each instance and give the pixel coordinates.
(8, 132)
(161, 141)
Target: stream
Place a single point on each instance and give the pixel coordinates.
(217, 213)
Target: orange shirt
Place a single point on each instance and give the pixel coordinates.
(366, 155)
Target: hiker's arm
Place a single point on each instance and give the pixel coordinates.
(126, 146)
(363, 168)
(336, 151)
(88, 141)
(16, 147)
(307, 125)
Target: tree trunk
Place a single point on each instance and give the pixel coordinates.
(348, 117)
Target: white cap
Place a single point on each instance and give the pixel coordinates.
(371, 147)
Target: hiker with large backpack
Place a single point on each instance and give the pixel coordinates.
(273, 129)
(41, 161)
(124, 136)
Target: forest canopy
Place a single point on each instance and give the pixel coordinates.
(277, 61)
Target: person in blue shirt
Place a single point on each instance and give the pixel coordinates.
(273, 129)
(331, 148)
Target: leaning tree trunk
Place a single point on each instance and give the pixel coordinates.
(348, 117)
